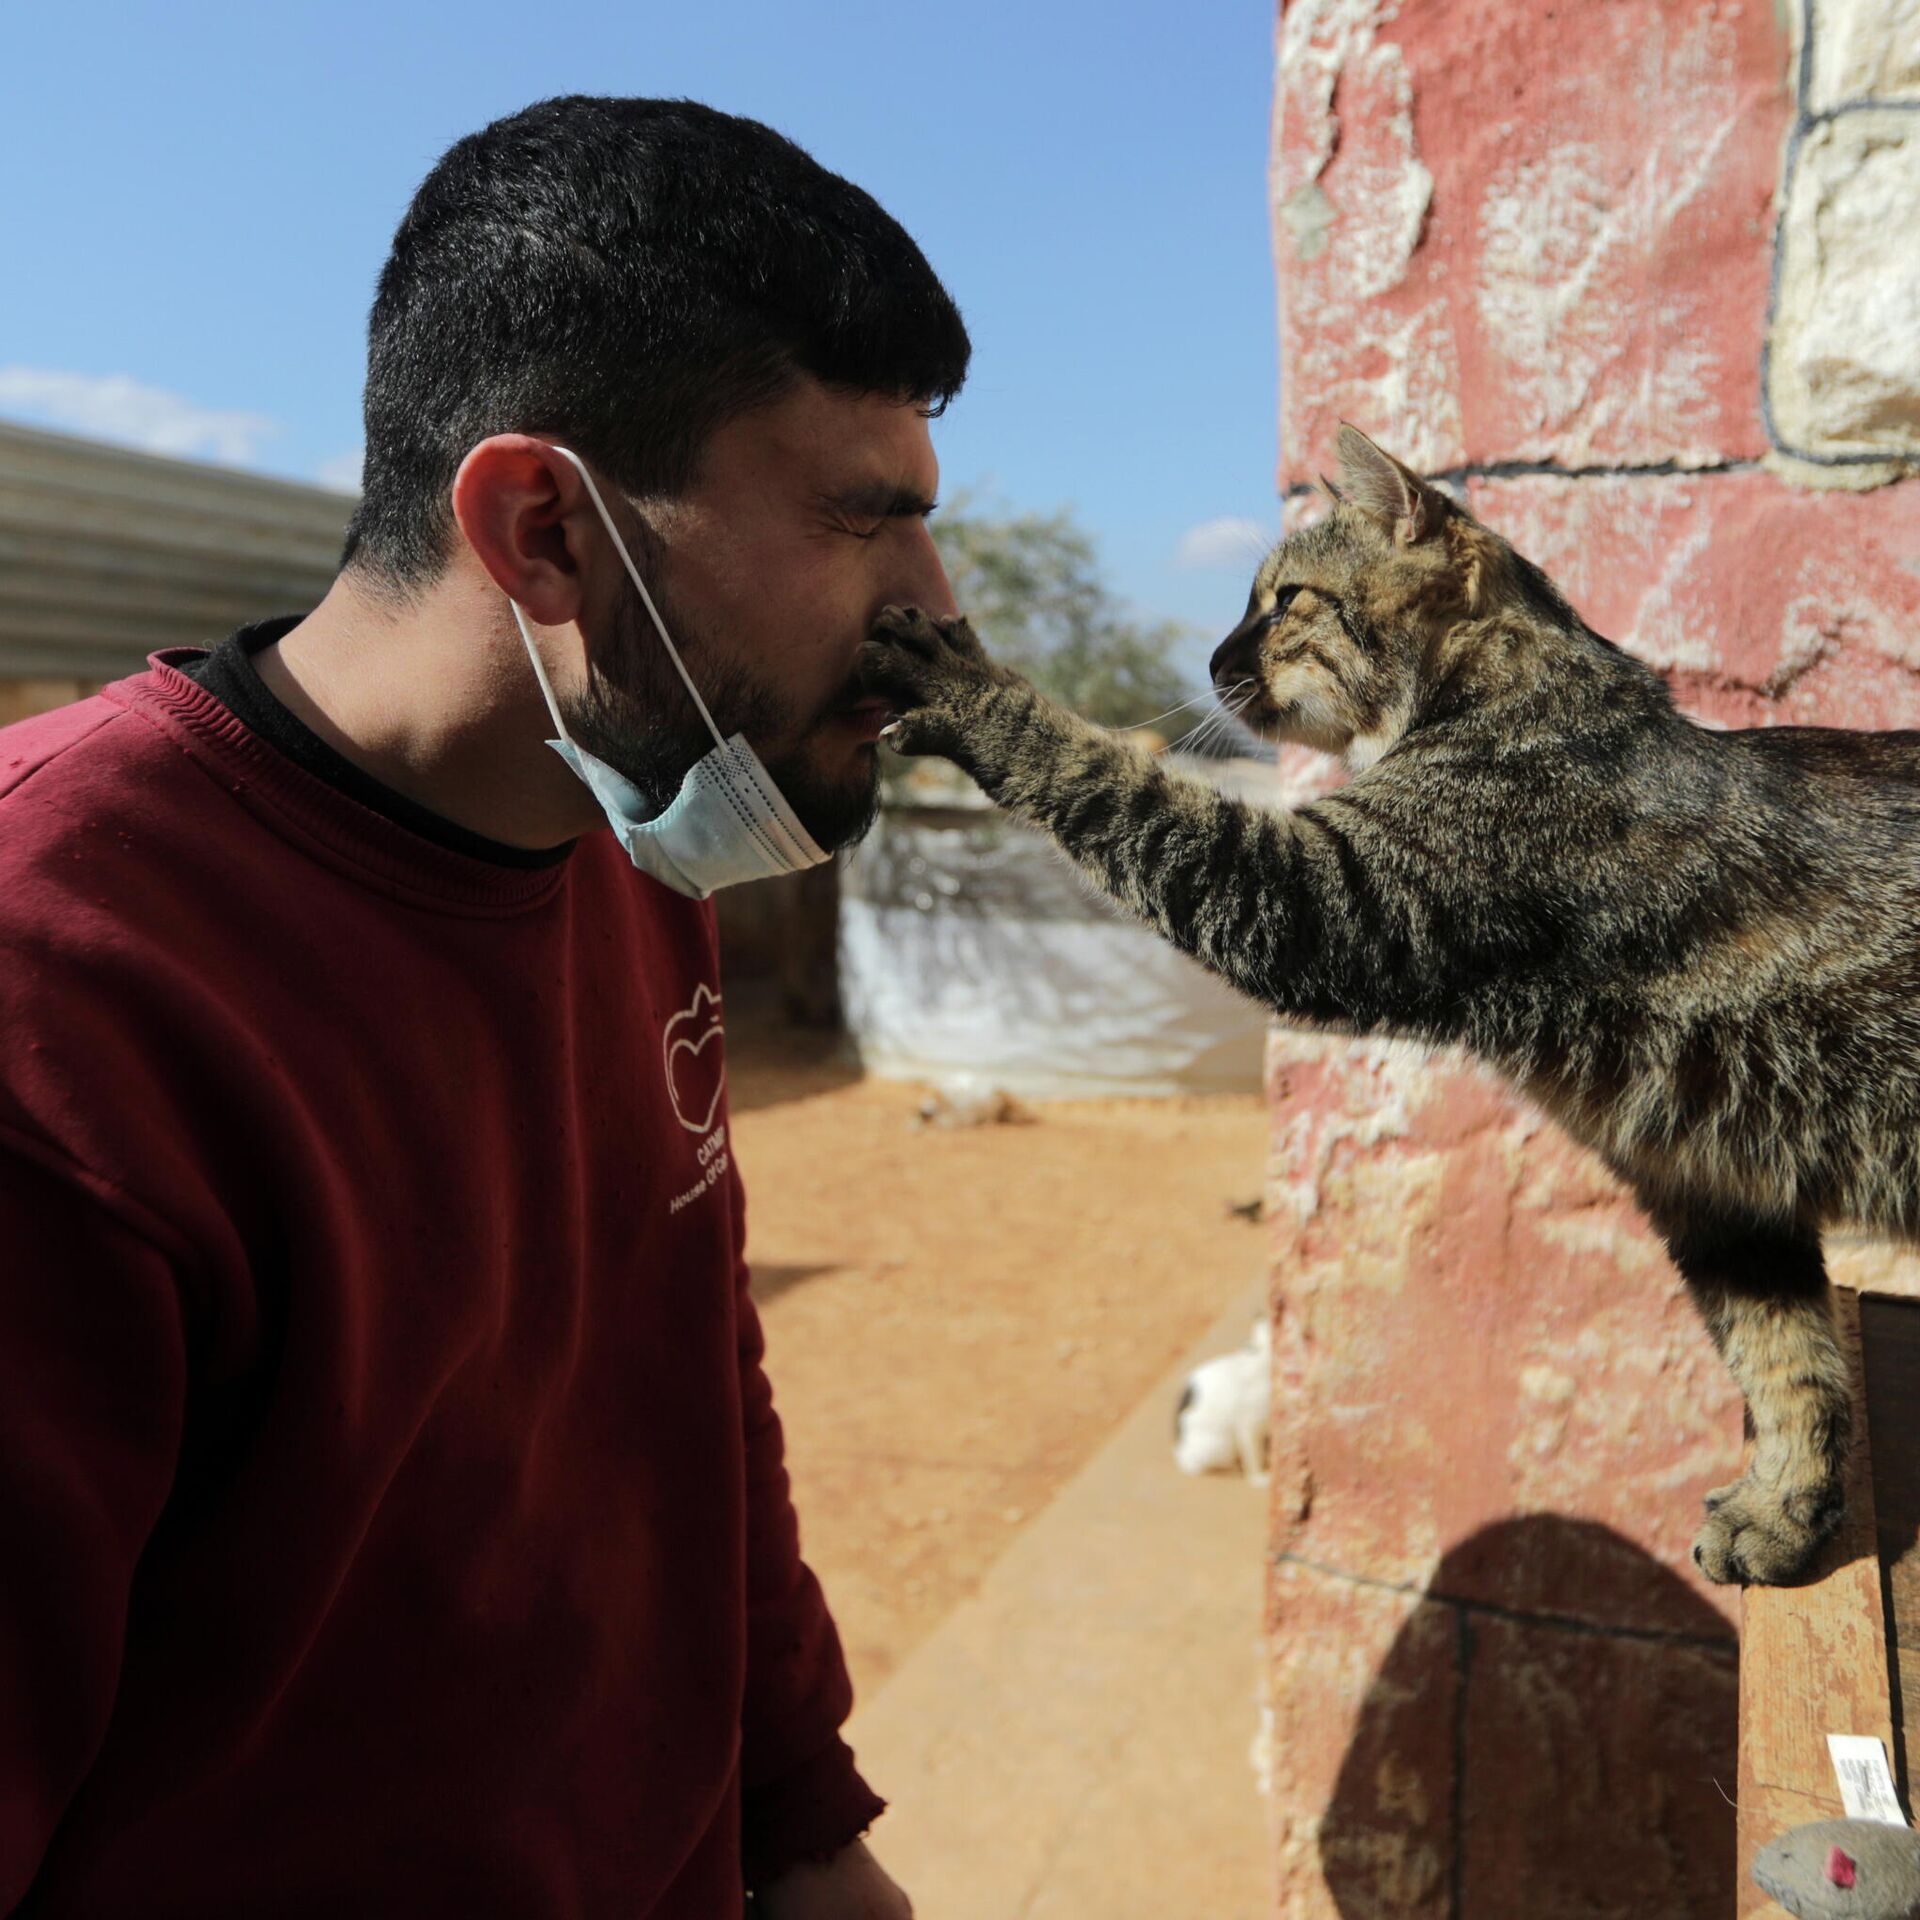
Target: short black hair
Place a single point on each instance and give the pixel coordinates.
(626, 275)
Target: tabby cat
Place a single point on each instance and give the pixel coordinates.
(1699, 950)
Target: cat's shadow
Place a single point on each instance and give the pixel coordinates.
(1552, 1733)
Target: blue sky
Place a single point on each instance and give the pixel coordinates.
(199, 197)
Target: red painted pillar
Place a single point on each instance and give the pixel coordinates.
(1545, 249)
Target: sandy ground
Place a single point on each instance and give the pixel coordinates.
(957, 1319)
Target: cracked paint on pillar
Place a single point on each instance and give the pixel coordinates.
(1472, 1323)
(1763, 604)
(1489, 250)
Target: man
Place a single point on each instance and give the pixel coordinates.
(392, 1510)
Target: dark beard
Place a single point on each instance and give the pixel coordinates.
(638, 717)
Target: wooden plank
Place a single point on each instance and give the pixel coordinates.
(1813, 1661)
(1890, 1345)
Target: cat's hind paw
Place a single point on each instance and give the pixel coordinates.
(1760, 1536)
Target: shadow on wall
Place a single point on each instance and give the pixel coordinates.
(1511, 1761)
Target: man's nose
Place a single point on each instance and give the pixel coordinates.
(922, 580)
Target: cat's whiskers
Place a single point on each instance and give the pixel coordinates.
(1216, 723)
(1198, 699)
(1246, 744)
(1197, 738)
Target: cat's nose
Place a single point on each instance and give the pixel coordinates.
(1233, 658)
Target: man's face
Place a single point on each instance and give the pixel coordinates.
(809, 516)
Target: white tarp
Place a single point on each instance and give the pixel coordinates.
(971, 953)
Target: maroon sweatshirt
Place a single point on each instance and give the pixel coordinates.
(392, 1510)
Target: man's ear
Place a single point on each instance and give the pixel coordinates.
(1375, 482)
(523, 509)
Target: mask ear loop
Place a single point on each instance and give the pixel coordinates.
(633, 573)
(540, 673)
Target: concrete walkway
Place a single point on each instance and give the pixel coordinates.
(1073, 1740)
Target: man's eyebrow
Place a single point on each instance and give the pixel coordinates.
(880, 500)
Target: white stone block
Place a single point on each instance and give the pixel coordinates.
(1845, 370)
(1864, 50)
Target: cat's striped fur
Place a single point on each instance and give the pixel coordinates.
(1699, 950)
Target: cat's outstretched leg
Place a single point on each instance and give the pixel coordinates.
(1763, 1293)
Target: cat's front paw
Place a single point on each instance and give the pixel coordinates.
(1764, 1535)
(935, 672)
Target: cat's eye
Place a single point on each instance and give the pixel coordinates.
(1282, 600)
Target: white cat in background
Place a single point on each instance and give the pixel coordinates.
(1222, 1419)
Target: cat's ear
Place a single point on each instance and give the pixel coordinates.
(1379, 485)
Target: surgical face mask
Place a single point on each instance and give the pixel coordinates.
(728, 822)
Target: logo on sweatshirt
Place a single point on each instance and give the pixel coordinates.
(696, 1061)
